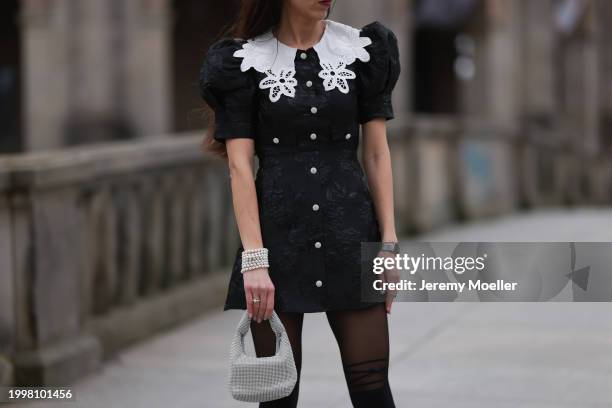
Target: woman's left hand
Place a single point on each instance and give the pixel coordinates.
(389, 275)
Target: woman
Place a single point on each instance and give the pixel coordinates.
(292, 87)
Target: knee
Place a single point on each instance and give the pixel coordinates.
(368, 384)
(379, 397)
(366, 375)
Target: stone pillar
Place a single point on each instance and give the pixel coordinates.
(503, 61)
(148, 80)
(45, 32)
(581, 96)
(95, 70)
(7, 292)
(603, 13)
(95, 64)
(50, 346)
(399, 14)
(593, 82)
(121, 79)
(538, 76)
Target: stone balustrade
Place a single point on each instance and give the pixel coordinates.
(101, 246)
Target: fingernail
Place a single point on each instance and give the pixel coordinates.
(250, 316)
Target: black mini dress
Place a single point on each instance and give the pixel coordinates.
(304, 108)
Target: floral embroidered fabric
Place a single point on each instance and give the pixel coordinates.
(339, 46)
(335, 76)
(282, 83)
(302, 108)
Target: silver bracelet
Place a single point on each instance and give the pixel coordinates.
(254, 259)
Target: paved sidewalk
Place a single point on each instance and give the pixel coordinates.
(460, 355)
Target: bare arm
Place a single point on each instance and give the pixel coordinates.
(257, 283)
(376, 160)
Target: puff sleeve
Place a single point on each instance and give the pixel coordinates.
(228, 91)
(377, 77)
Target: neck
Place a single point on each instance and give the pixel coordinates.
(299, 32)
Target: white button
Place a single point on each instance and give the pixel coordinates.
(319, 283)
(309, 83)
(313, 109)
(313, 170)
(348, 136)
(317, 244)
(303, 55)
(275, 140)
(315, 207)
(313, 136)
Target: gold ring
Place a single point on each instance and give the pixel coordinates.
(257, 300)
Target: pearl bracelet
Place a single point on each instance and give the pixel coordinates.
(254, 259)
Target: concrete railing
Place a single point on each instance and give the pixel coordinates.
(104, 245)
(101, 246)
(448, 168)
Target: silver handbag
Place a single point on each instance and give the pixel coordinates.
(260, 379)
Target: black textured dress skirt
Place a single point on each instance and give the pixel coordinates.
(303, 109)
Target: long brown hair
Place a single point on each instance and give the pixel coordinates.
(254, 18)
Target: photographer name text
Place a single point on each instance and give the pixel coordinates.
(477, 285)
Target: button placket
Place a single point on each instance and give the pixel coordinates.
(317, 241)
(315, 193)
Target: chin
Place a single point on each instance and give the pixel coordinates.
(318, 14)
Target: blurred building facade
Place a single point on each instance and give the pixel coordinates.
(73, 72)
(112, 223)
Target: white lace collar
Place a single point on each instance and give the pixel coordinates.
(339, 46)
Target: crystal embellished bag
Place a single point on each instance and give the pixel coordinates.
(260, 379)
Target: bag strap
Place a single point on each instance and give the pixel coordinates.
(275, 323)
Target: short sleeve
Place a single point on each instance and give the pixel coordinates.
(377, 77)
(228, 91)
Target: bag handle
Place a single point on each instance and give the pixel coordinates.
(275, 323)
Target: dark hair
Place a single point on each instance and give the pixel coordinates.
(255, 17)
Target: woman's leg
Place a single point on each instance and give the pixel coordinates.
(264, 341)
(363, 339)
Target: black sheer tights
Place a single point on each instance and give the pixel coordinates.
(264, 341)
(363, 340)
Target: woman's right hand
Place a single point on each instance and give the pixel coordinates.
(258, 285)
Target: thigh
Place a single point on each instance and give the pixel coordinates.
(363, 340)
